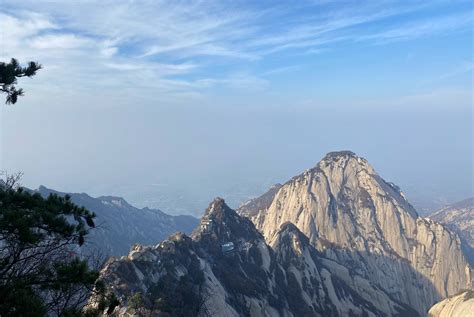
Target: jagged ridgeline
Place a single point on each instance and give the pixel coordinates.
(227, 269)
(335, 241)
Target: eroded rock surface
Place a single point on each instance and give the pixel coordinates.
(201, 276)
(461, 305)
(349, 212)
(459, 217)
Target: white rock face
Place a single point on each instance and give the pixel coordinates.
(369, 226)
(323, 280)
(461, 305)
(459, 217)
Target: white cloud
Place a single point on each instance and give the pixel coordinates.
(60, 41)
(24, 25)
(157, 44)
(168, 69)
(109, 51)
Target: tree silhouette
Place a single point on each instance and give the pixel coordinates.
(42, 272)
(9, 73)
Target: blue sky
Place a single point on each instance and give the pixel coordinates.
(186, 49)
(246, 92)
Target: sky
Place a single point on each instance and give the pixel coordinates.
(171, 103)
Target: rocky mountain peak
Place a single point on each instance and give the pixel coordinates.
(219, 214)
(228, 269)
(342, 160)
(349, 212)
(289, 242)
(218, 209)
(222, 224)
(339, 154)
(289, 230)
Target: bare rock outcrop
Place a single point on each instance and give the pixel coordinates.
(459, 217)
(227, 269)
(358, 219)
(461, 305)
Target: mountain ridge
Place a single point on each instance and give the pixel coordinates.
(289, 278)
(343, 204)
(336, 240)
(120, 225)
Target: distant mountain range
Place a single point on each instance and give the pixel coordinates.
(121, 225)
(337, 240)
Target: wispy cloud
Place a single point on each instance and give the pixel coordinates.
(60, 41)
(414, 30)
(239, 80)
(466, 67)
(176, 46)
(280, 70)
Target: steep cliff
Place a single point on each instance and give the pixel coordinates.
(227, 269)
(349, 212)
(459, 217)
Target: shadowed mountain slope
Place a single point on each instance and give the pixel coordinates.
(120, 225)
(227, 269)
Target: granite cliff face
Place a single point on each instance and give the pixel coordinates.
(363, 222)
(227, 269)
(461, 305)
(459, 217)
(336, 240)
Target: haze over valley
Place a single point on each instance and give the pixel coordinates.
(236, 158)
